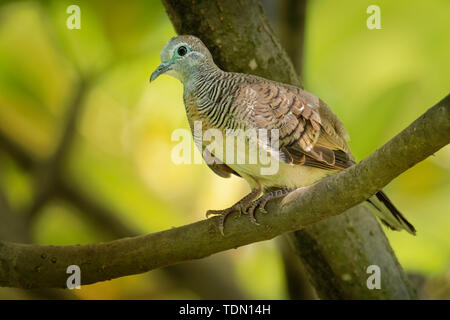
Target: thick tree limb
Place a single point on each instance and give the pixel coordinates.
(238, 35)
(36, 266)
(195, 275)
(292, 30)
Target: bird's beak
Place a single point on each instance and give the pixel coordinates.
(162, 68)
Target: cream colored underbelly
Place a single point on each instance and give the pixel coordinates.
(266, 170)
(288, 176)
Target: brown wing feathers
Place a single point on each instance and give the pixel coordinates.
(217, 166)
(305, 138)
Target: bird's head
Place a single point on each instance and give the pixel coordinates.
(181, 56)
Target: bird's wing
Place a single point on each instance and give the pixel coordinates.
(222, 170)
(217, 166)
(309, 133)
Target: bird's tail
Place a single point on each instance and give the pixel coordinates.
(388, 213)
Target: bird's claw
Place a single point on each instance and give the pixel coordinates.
(259, 204)
(223, 214)
(240, 207)
(250, 209)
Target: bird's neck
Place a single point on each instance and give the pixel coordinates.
(208, 93)
(200, 75)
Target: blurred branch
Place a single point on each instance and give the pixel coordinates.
(292, 29)
(15, 151)
(297, 283)
(12, 226)
(53, 185)
(47, 173)
(287, 17)
(35, 266)
(93, 211)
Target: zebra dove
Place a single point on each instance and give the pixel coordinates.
(311, 143)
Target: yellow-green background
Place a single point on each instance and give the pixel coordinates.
(376, 81)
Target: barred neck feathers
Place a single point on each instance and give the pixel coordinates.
(212, 92)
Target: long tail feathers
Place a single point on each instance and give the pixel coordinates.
(388, 213)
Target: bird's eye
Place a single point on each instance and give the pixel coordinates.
(182, 51)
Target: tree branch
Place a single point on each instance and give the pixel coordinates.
(36, 266)
(15, 227)
(47, 172)
(193, 275)
(16, 151)
(292, 29)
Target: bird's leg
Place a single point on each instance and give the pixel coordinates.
(240, 206)
(261, 202)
